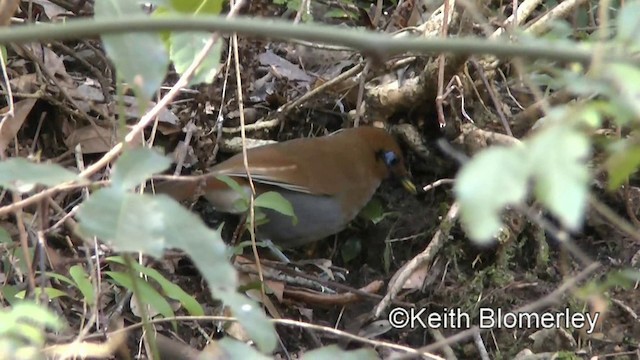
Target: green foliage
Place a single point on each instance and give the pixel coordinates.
(3, 53)
(183, 48)
(494, 179)
(22, 330)
(20, 174)
(151, 224)
(210, 7)
(13, 260)
(624, 160)
(628, 25)
(290, 4)
(295, 5)
(79, 279)
(238, 350)
(275, 201)
(48, 292)
(373, 211)
(142, 59)
(350, 249)
(82, 282)
(625, 279)
(558, 162)
(340, 13)
(147, 294)
(268, 200)
(554, 159)
(168, 288)
(135, 166)
(5, 238)
(334, 352)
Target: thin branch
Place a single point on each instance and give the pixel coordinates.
(365, 41)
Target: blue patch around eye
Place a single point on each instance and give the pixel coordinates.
(390, 158)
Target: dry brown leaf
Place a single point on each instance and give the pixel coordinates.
(85, 349)
(284, 67)
(85, 95)
(51, 10)
(234, 329)
(90, 140)
(132, 111)
(26, 83)
(255, 294)
(7, 9)
(415, 281)
(277, 287)
(10, 125)
(52, 61)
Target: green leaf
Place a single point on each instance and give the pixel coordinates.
(235, 349)
(332, 352)
(137, 165)
(210, 7)
(51, 293)
(148, 295)
(241, 205)
(340, 13)
(161, 3)
(628, 23)
(622, 163)
(131, 222)
(21, 263)
(183, 48)
(58, 277)
(233, 185)
(140, 59)
(493, 179)
(5, 238)
(275, 201)
(28, 332)
(82, 282)
(37, 314)
(170, 289)
(557, 156)
(251, 317)
(626, 80)
(373, 211)
(20, 174)
(151, 224)
(9, 293)
(350, 249)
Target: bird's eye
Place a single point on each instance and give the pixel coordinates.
(390, 158)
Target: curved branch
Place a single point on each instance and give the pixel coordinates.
(369, 42)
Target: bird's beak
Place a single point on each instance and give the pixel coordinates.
(408, 185)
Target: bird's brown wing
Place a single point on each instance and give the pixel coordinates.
(312, 166)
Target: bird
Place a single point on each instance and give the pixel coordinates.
(327, 179)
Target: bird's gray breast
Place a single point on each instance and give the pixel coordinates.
(318, 217)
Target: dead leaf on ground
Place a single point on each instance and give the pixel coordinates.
(10, 125)
(133, 111)
(234, 329)
(95, 139)
(51, 60)
(256, 294)
(284, 67)
(415, 281)
(87, 92)
(26, 83)
(277, 287)
(51, 10)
